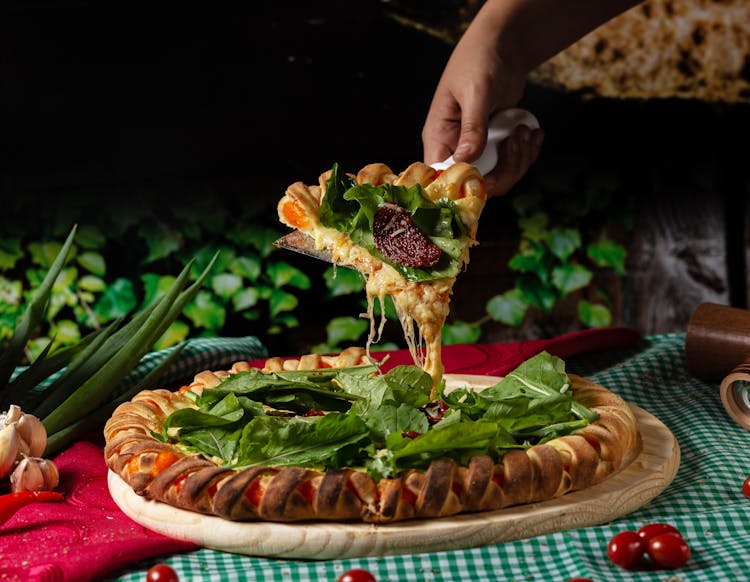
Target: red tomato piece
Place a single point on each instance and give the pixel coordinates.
(746, 487)
(668, 551)
(626, 550)
(580, 580)
(161, 573)
(652, 530)
(356, 575)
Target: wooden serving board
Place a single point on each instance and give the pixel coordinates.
(632, 487)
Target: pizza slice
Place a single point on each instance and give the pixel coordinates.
(408, 234)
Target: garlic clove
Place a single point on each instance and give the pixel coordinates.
(32, 431)
(13, 415)
(9, 446)
(34, 474)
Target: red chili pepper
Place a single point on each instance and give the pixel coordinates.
(12, 502)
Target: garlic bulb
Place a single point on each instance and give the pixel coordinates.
(34, 474)
(9, 445)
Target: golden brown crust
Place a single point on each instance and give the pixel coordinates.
(159, 471)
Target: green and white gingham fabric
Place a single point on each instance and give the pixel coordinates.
(704, 501)
(198, 354)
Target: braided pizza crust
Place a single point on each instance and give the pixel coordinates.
(158, 470)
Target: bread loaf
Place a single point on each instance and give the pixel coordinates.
(697, 49)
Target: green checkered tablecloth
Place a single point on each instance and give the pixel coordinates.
(704, 501)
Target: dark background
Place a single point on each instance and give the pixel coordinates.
(98, 97)
(167, 102)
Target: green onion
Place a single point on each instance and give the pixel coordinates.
(89, 373)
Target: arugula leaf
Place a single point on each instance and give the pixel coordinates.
(540, 376)
(390, 403)
(298, 441)
(391, 418)
(452, 440)
(350, 208)
(217, 442)
(298, 390)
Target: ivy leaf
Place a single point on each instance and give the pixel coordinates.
(281, 301)
(536, 293)
(563, 242)
(155, 286)
(607, 253)
(342, 281)
(178, 331)
(65, 279)
(90, 237)
(460, 332)
(160, 239)
(66, 332)
(569, 277)
(534, 227)
(92, 262)
(342, 329)
(263, 239)
(117, 300)
(92, 283)
(226, 285)
(10, 252)
(287, 320)
(245, 299)
(43, 254)
(533, 257)
(594, 314)
(205, 255)
(508, 308)
(204, 311)
(247, 267)
(11, 292)
(282, 273)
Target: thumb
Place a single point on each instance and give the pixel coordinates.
(473, 137)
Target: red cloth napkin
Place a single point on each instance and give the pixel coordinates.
(87, 537)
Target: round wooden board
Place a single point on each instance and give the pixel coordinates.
(639, 482)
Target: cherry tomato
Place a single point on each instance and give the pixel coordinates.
(746, 487)
(161, 573)
(668, 551)
(356, 575)
(652, 530)
(580, 580)
(626, 549)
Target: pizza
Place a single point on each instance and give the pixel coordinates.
(408, 234)
(333, 438)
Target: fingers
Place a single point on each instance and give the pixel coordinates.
(516, 155)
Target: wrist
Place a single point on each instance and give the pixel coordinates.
(496, 21)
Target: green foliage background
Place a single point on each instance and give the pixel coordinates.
(569, 228)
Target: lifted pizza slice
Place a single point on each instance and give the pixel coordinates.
(408, 234)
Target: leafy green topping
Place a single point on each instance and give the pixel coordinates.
(350, 208)
(357, 417)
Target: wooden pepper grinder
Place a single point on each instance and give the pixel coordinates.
(717, 349)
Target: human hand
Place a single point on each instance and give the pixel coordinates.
(475, 84)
